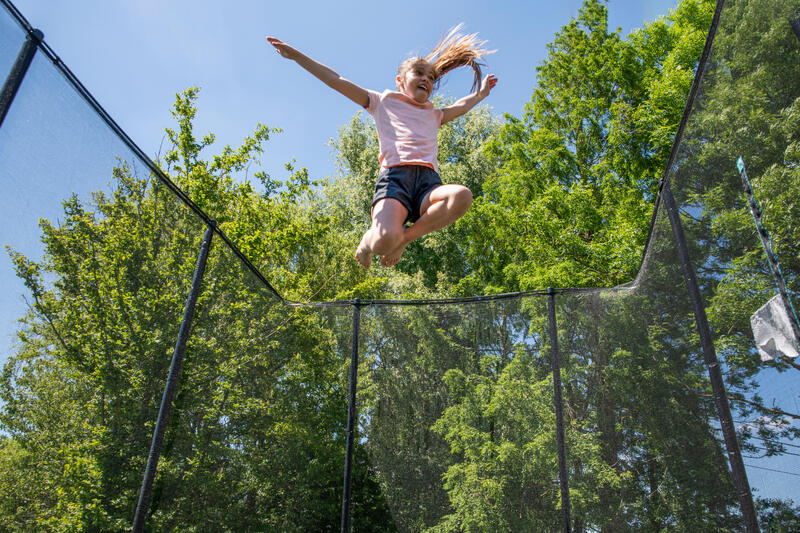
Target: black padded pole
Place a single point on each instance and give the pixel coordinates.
(738, 472)
(562, 450)
(140, 517)
(18, 71)
(351, 420)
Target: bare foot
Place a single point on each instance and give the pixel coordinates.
(364, 254)
(393, 257)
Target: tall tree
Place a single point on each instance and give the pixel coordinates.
(570, 204)
(256, 439)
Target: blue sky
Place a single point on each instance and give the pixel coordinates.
(134, 56)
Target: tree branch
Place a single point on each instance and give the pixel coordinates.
(39, 308)
(756, 405)
(791, 362)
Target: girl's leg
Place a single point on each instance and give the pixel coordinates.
(441, 207)
(386, 232)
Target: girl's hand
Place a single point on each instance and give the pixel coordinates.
(283, 49)
(487, 85)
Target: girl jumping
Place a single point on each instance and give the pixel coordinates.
(409, 188)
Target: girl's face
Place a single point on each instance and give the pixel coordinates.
(416, 81)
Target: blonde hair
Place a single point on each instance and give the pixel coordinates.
(454, 50)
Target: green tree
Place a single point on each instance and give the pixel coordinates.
(456, 417)
(571, 201)
(256, 439)
(570, 206)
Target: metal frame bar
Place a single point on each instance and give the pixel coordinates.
(18, 71)
(738, 472)
(562, 450)
(351, 420)
(140, 517)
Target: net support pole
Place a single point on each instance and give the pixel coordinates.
(172, 383)
(18, 71)
(351, 420)
(562, 450)
(738, 472)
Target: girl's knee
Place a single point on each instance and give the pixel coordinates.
(386, 239)
(462, 199)
(466, 196)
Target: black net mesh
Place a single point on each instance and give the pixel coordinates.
(11, 38)
(747, 107)
(262, 397)
(448, 398)
(456, 425)
(636, 382)
(103, 254)
(458, 421)
(61, 165)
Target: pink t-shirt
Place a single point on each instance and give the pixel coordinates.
(406, 129)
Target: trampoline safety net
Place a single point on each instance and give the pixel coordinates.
(469, 414)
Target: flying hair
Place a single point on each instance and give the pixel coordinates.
(457, 50)
(454, 50)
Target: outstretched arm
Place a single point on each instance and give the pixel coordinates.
(468, 102)
(327, 75)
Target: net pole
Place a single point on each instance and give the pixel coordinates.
(562, 450)
(738, 472)
(18, 71)
(351, 420)
(170, 388)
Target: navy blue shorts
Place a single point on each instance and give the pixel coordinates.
(407, 184)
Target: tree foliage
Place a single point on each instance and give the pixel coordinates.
(456, 417)
(571, 200)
